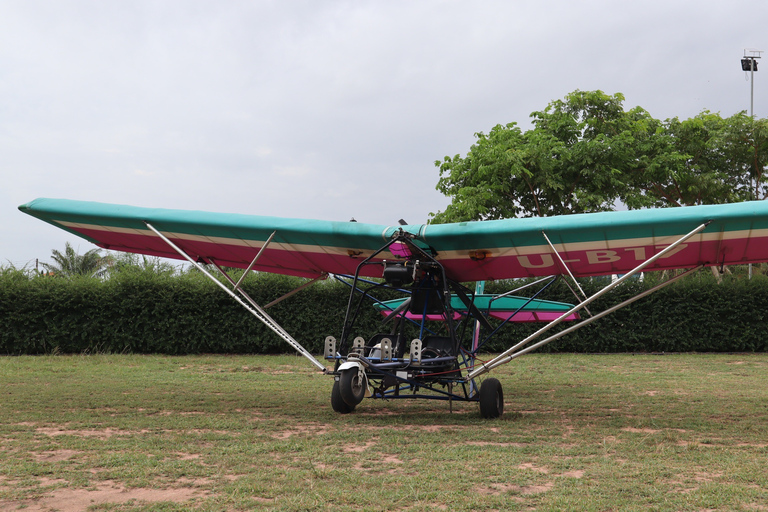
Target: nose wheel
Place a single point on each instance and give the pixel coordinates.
(352, 386)
(348, 391)
(337, 403)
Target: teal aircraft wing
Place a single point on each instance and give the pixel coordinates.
(584, 244)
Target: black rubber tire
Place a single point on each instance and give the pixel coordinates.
(491, 399)
(352, 386)
(338, 403)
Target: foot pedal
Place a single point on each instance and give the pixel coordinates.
(386, 349)
(416, 351)
(358, 346)
(330, 347)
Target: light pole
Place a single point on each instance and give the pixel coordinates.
(749, 63)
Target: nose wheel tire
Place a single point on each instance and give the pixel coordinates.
(352, 386)
(337, 403)
(491, 398)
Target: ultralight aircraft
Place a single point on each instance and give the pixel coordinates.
(411, 357)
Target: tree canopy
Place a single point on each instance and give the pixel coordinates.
(70, 264)
(586, 153)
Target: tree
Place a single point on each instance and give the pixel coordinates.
(572, 161)
(742, 145)
(127, 262)
(708, 162)
(70, 264)
(586, 153)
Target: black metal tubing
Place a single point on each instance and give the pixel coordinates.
(350, 317)
(444, 395)
(458, 398)
(341, 279)
(347, 323)
(503, 323)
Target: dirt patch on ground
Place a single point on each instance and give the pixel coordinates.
(491, 443)
(375, 464)
(499, 489)
(706, 477)
(358, 448)
(316, 429)
(532, 467)
(75, 500)
(390, 459)
(104, 433)
(55, 455)
(648, 430)
(529, 466)
(186, 456)
(641, 430)
(99, 434)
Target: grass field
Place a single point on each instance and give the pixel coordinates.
(580, 432)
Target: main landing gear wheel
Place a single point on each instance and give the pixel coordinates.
(491, 398)
(338, 403)
(352, 386)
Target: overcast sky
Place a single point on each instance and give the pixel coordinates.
(322, 109)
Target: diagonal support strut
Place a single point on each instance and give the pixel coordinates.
(591, 319)
(510, 353)
(562, 263)
(253, 308)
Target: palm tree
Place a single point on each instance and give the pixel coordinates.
(70, 264)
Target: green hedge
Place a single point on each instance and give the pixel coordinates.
(144, 312)
(694, 314)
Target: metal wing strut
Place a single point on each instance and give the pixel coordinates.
(252, 307)
(518, 350)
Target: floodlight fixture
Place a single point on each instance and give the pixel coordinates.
(749, 63)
